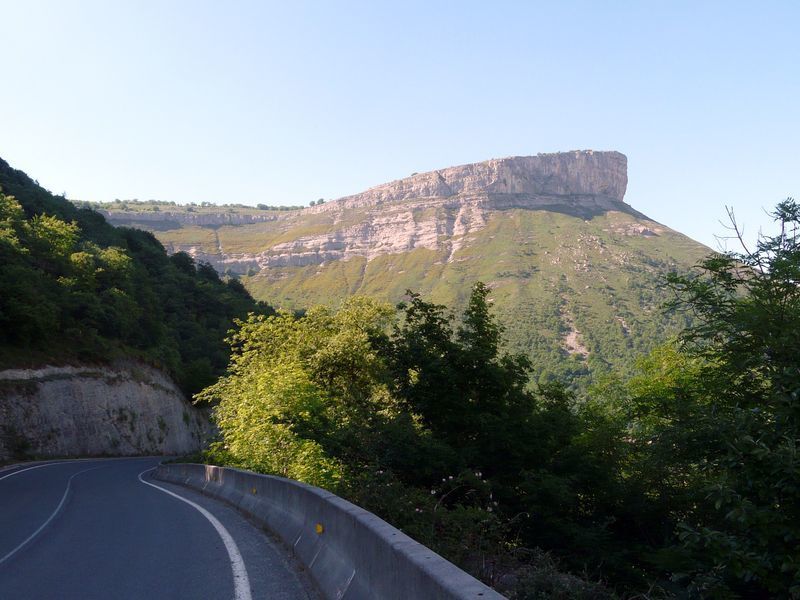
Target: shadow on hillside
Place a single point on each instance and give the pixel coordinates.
(166, 225)
(581, 207)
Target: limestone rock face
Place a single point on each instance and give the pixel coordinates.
(182, 217)
(575, 272)
(121, 410)
(436, 210)
(580, 173)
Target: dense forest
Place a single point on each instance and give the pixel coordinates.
(74, 288)
(680, 481)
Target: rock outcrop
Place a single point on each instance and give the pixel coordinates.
(436, 210)
(120, 410)
(183, 217)
(565, 175)
(575, 271)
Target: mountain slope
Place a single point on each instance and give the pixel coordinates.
(75, 289)
(575, 271)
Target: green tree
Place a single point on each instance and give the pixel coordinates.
(305, 395)
(727, 408)
(469, 392)
(72, 287)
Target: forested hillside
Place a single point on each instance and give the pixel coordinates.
(681, 481)
(575, 271)
(74, 288)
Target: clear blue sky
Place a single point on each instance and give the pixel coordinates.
(287, 102)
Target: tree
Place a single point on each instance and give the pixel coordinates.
(305, 396)
(740, 445)
(74, 287)
(464, 387)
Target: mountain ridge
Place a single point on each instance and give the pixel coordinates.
(576, 272)
(409, 213)
(574, 173)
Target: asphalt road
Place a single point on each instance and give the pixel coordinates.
(93, 529)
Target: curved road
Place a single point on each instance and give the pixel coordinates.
(100, 529)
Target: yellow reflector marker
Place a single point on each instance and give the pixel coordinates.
(253, 490)
(319, 528)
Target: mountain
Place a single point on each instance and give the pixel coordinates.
(576, 272)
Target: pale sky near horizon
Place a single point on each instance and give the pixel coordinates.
(286, 102)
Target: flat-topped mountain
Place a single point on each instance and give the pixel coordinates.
(582, 180)
(580, 174)
(575, 270)
(433, 210)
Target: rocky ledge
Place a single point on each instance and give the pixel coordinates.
(581, 173)
(178, 218)
(435, 210)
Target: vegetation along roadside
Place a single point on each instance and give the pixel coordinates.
(681, 480)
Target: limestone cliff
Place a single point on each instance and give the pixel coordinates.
(435, 211)
(123, 409)
(551, 177)
(576, 273)
(183, 217)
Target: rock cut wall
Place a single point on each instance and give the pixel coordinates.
(120, 410)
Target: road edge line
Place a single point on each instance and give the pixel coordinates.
(50, 518)
(34, 467)
(241, 581)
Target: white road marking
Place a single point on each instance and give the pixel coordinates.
(35, 467)
(50, 518)
(65, 462)
(241, 582)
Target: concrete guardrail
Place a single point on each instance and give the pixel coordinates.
(350, 553)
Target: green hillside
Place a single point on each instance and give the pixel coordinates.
(76, 289)
(575, 295)
(576, 274)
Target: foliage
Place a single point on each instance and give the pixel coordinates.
(425, 421)
(303, 394)
(711, 426)
(470, 396)
(681, 479)
(540, 577)
(75, 288)
(747, 309)
(552, 274)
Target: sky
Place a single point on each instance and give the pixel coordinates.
(287, 102)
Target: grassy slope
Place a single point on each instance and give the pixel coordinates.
(550, 272)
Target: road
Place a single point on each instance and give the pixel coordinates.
(100, 529)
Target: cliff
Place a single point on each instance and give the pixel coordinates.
(435, 211)
(183, 217)
(120, 410)
(552, 176)
(576, 273)
(581, 181)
